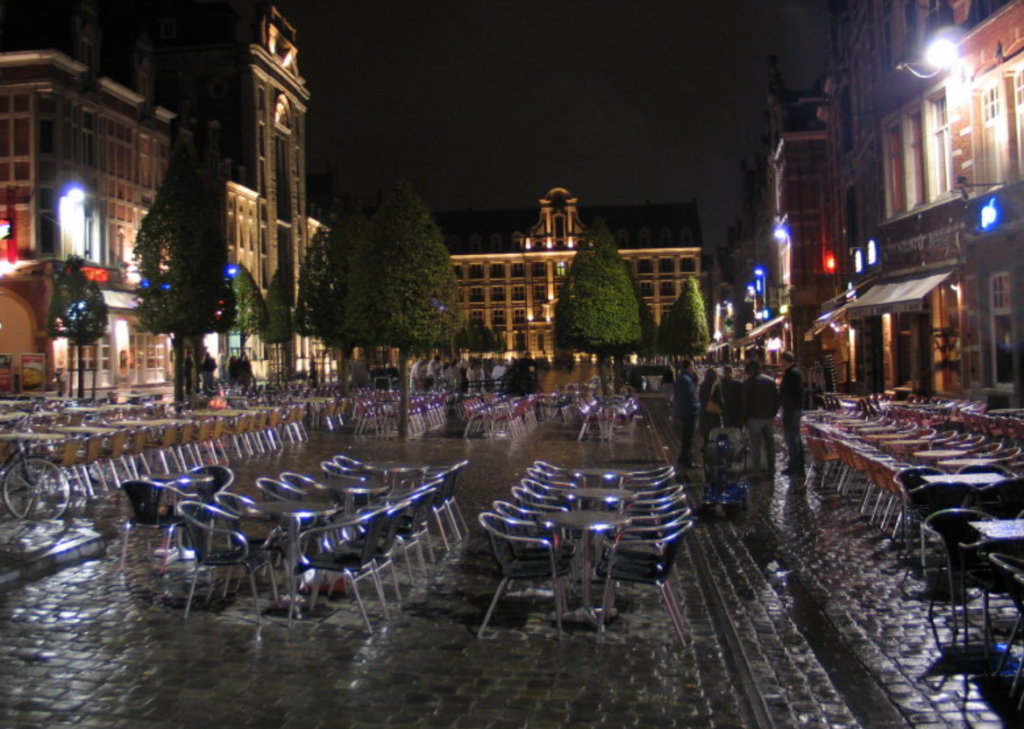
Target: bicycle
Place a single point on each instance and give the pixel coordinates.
(33, 487)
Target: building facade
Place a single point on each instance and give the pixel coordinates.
(88, 111)
(510, 263)
(791, 264)
(83, 148)
(914, 143)
(238, 92)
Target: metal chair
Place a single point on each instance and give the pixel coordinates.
(217, 541)
(276, 490)
(525, 557)
(1010, 570)
(653, 566)
(959, 541)
(151, 509)
(351, 547)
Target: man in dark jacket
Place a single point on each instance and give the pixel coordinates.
(687, 407)
(791, 394)
(760, 405)
(732, 394)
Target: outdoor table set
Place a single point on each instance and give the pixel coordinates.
(554, 508)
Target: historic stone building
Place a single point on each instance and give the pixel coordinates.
(89, 106)
(510, 263)
(237, 89)
(83, 148)
(914, 139)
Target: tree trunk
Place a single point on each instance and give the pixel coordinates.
(604, 372)
(179, 369)
(81, 371)
(619, 372)
(403, 399)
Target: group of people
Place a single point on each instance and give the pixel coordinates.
(239, 372)
(725, 401)
(517, 376)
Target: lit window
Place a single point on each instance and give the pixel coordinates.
(1002, 328)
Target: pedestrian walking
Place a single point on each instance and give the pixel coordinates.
(686, 409)
(760, 405)
(732, 397)
(791, 395)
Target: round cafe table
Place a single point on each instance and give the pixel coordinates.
(879, 437)
(295, 513)
(610, 498)
(351, 488)
(203, 485)
(587, 523)
(955, 463)
(937, 455)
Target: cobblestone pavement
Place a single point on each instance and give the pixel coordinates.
(822, 599)
(798, 613)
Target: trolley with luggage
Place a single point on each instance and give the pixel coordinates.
(725, 458)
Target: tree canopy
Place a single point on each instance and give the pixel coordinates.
(77, 311)
(402, 289)
(251, 316)
(182, 259)
(321, 308)
(597, 309)
(684, 332)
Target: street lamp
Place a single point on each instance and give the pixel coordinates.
(940, 56)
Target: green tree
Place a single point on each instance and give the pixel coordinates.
(402, 290)
(647, 343)
(597, 310)
(279, 329)
(320, 310)
(684, 333)
(498, 340)
(251, 315)
(78, 312)
(182, 260)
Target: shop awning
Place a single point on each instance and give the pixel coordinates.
(756, 332)
(120, 299)
(897, 297)
(717, 346)
(823, 321)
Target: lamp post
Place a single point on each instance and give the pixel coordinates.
(940, 56)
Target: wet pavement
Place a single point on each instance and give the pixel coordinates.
(799, 613)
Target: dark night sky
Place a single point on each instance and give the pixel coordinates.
(490, 103)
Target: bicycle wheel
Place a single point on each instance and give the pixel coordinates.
(36, 489)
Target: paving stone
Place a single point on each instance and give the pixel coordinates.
(92, 646)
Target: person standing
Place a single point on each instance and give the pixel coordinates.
(208, 367)
(791, 394)
(686, 408)
(710, 404)
(760, 405)
(732, 397)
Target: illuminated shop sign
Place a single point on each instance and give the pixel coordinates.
(988, 216)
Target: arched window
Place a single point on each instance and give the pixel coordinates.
(665, 237)
(622, 238)
(645, 237)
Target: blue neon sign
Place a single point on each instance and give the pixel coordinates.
(989, 216)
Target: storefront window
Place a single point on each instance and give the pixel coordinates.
(1002, 330)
